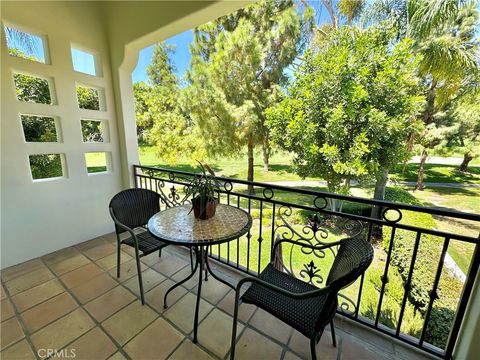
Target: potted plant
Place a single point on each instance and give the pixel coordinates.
(203, 188)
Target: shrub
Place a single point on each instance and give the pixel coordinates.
(425, 267)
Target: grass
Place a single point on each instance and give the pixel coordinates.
(235, 167)
(281, 170)
(463, 199)
(96, 162)
(436, 173)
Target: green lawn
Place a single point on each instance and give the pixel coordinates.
(464, 199)
(281, 169)
(259, 242)
(437, 174)
(96, 162)
(236, 167)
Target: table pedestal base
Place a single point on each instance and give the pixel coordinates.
(201, 255)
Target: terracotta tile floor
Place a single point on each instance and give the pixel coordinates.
(71, 301)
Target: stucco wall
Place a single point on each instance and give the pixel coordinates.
(40, 217)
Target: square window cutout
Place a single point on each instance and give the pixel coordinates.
(35, 89)
(94, 131)
(97, 162)
(40, 128)
(47, 166)
(24, 45)
(90, 98)
(85, 62)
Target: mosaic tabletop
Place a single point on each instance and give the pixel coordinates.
(179, 225)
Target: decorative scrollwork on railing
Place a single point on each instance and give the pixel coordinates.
(312, 234)
(174, 197)
(228, 186)
(346, 305)
(317, 202)
(268, 193)
(353, 227)
(311, 272)
(386, 217)
(171, 176)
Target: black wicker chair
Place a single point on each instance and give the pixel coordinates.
(303, 306)
(130, 210)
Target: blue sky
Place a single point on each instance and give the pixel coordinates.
(181, 57)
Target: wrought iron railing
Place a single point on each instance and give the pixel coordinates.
(392, 296)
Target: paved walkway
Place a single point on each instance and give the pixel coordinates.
(439, 160)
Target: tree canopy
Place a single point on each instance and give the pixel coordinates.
(350, 107)
(237, 71)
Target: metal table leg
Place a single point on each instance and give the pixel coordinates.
(201, 262)
(182, 281)
(201, 257)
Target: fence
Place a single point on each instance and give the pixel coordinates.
(414, 291)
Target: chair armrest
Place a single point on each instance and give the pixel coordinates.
(124, 227)
(302, 244)
(303, 295)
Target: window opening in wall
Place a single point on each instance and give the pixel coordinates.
(84, 62)
(24, 45)
(45, 166)
(97, 162)
(94, 131)
(39, 128)
(90, 98)
(33, 89)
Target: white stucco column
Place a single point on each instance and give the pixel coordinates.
(468, 345)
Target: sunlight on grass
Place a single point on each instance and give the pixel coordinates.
(437, 174)
(96, 162)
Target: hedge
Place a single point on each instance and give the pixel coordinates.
(425, 268)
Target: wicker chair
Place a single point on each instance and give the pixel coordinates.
(130, 210)
(303, 306)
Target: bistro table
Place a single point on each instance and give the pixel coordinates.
(177, 225)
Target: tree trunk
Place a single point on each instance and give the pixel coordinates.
(251, 190)
(466, 160)
(379, 194)
(266, 156)
(331, 11)
(410, 143)
(381, 185)
(421, 170)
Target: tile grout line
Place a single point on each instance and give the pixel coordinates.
(119, 347)
(91, 317)
(22, 325)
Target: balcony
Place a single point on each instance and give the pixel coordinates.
(59, 289)
(71, 301)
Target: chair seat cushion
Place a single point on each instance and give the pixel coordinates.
(299, 314)
(146, 243)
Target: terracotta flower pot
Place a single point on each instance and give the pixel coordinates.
(204, 208)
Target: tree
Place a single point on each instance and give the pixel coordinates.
(350, 107)
(237, 71)
(158, 105)
(444, 35)
(87, 98)
(32, 89)
(463, 132)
